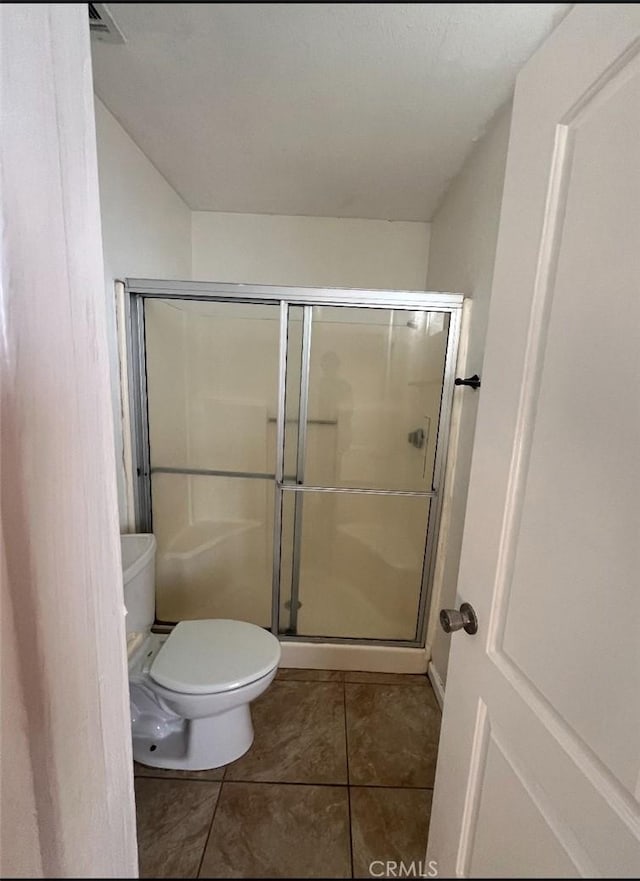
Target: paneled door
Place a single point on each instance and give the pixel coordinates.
(539, 766)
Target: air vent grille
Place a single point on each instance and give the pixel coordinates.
(102, 26)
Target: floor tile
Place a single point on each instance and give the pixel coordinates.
(145, 771)
(173, 818)
(299, 736)
(388, 825)
(392, 735)
(271, 830)
(388, 678)
(292, 674)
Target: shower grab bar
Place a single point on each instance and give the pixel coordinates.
(301, 488)
(296, 487)
(309, 421)
(213, 472)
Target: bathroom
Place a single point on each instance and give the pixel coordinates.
(308, 529)
(203, 423)
(284, 339)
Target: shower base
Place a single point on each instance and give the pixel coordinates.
(336, 656)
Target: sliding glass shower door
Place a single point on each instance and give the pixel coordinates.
(357, 509)
(289, 457)
(212, 388)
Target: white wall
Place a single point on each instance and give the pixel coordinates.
(146, 232)
(67, 807)
(309, 251)
(464, 232)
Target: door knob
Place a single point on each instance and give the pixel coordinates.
(465, 619)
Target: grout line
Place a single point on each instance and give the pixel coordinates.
(308, 783)
(346, 735)
(286, 782)
(206, 843)
(346, 747)
(391, 786)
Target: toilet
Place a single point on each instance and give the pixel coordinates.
(190, 689)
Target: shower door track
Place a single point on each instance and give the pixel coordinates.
(138, 290)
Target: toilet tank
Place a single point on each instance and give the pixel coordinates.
(139, 570)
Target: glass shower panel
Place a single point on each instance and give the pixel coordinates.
(361, 559)
(215, 547)
(375, 387)
(212, 380)
(212, 391)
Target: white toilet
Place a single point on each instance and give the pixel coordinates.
(190, 690)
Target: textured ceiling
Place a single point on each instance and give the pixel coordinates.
(327, 109)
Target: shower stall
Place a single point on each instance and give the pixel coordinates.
(289, 448)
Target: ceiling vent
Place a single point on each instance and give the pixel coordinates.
(102, 25)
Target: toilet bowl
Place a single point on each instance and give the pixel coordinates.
(190, 690)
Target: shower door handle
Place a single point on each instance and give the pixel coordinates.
(472, 381)
(465, 619)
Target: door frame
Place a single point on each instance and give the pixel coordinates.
(138, 290)
(66, 783)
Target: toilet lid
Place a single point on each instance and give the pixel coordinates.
(214, 655)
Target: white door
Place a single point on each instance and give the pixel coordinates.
(538, 773)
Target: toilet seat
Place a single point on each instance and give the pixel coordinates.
(214, 655)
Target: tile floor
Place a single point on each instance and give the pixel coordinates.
(340, 774)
